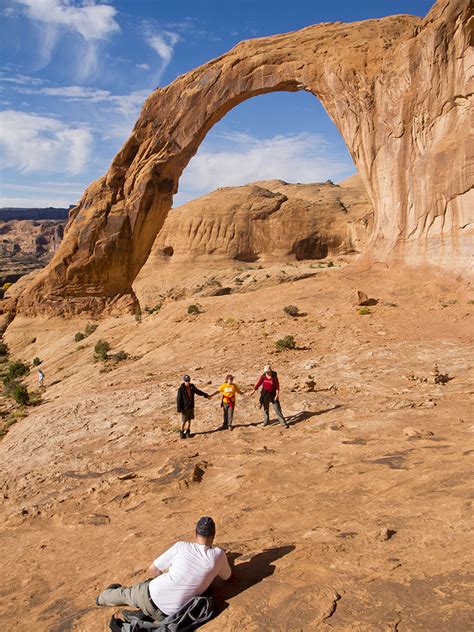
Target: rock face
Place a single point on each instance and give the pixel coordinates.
(26, 245)
(397, 90)
(264, 222)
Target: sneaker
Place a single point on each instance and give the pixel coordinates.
(188, 434)
(224, 427)
(265, 423)
(182, 434)
(231, 427)
(286, 425)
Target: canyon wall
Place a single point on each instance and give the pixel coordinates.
(397, 90)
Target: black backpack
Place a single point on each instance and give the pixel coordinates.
(189, 617)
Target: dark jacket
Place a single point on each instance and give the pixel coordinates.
(186, 402)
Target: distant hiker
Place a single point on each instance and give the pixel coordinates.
(40, 378)
(185, 404)
(228, 390)
(184, 571)
(270, 394)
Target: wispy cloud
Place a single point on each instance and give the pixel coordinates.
(37, 143)
(93, 22)
(242, 158)
(163, 43)
(143, 66)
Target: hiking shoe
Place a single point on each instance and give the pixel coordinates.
(224, 427)
(231, 427)
(182, 434)
(265, 423)
(188, 434)
(286, 426)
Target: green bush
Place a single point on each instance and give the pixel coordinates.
(330, 264)
(36, 361)
(3, 349)
(101, 349)
(119, 356)
(288, 342)
(292, 310)
(363, 311)
(15, 370)
(194, 309)
(89, 329)
(17, 391)
(79, 336)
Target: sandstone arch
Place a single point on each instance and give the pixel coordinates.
(397, 90)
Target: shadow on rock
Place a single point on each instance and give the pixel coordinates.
(247, 573)
(304, 415)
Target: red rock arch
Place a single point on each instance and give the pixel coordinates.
(395, 88)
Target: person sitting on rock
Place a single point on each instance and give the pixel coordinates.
(184, 571)
(270, 394)
(228, 390)
(185, 404)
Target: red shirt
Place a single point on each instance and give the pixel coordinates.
(269, 384)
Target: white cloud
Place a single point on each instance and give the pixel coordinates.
(42, 200)
(242, 159)
(23, 80)
(163, 44)
(143, 66)
(74, 93)
(36, 143)
(92, 21)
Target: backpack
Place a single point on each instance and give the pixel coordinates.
(189, 617)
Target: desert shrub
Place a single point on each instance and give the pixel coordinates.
(138, 313)
(79, 336)
(155, 309)
(363, 311)
(89, 329)
(15, 370)
(330, 264)
(5, 286)
(119, 356)
(291, 310)
(288, 342)
(18, 392)
(101, 349)
(36, 361)
(194, 309)
(3, 349)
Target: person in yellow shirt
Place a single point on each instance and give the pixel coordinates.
(228, 391)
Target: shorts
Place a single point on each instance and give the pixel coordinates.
(187, 415)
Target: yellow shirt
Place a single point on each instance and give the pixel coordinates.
(228, 392)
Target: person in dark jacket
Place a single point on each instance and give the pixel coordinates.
(185, 404)
(270, 394)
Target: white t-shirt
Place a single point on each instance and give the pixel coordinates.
(192, 567)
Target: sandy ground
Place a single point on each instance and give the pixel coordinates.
(355, 518)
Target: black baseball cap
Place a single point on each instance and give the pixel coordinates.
(206, 527)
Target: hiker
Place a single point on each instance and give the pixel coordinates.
(40, 378)
(270, 395)
(184, 571)
(228, 390)
(185, 404)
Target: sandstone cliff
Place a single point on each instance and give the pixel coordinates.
(263, 222)
(397, 89)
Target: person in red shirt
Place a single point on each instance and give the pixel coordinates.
(270, 394)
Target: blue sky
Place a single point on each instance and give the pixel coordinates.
(74, 75)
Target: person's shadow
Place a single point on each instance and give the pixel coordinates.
(247, 573)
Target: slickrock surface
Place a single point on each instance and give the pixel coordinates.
(357, 518)
(27, 245)
(262, 222)
(397, 89)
